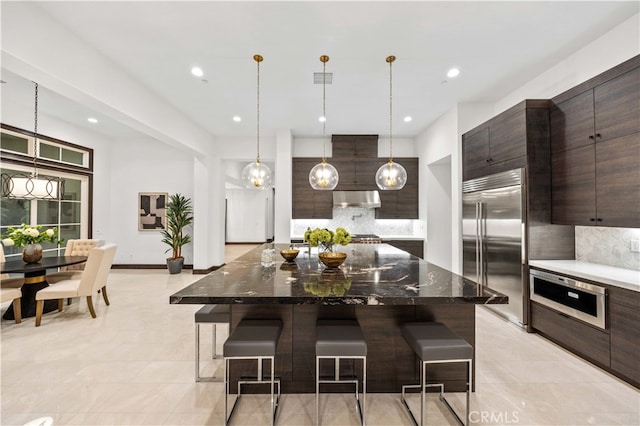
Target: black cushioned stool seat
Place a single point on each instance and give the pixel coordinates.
(253, 339)
(209, 314)
(341, 339)
(435, 343)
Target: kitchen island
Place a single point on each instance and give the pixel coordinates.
(379, 285)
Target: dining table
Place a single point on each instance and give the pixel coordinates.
(35, 279)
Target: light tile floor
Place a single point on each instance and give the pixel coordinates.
(134, 365)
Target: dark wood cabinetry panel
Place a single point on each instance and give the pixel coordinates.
(306, 202)
(502, 143)
(354, 146)
(595, 137)
(355, 158)
(475, 150)
(414, 247)
(624, 314)
(572, 122)
(403, 203)
(618, 181)
(617, 106)
(508, 137)
(573, 186)
(591, 343)
(356, 174)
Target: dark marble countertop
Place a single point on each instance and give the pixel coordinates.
(373, 274)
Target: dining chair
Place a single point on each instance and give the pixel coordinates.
(92, 279)
(14, 294)
(77, 247)
(5, 280)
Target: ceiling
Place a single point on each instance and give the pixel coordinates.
(498, 46)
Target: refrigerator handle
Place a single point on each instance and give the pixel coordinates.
(481, 222)
(479, 243)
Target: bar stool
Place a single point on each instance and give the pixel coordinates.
(435, 343)
(337, 340)
(256, 340)
(210, 314)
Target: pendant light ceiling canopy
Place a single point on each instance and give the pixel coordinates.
(257, 175)
(391, 176)
(30, 187)
(323, 176)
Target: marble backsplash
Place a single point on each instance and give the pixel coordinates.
(359, 220)
(607, 246)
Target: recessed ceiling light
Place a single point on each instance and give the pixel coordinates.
(197, 71)
(453, 72)
(92, 120)
(407, 119)
(322, 119)
(237, 118)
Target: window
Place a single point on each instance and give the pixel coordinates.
(71, 214)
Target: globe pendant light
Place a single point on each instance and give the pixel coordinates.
(323, 176)
(257, 175)
(30, 187)
(391, 176)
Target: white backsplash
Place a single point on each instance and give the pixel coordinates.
(607, 246)
(358, 220)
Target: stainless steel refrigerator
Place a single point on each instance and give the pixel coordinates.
(493, 233)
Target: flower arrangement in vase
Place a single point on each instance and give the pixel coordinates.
(325, 240)
(30, 237)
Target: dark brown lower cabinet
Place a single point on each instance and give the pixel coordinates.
(587, 341)
(414, 247)
(624, 314)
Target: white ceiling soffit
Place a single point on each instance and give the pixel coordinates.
(498, 46)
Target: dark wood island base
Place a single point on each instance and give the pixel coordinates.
(379, 285)
(390, 361)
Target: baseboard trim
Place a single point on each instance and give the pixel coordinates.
(144, 266)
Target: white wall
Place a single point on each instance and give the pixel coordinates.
(438, 153)
(246, 212)
(613, 48)
(141, 166)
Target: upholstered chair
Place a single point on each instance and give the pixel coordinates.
(5, 280)
(92, 279)
(74, 248)
(15, 294)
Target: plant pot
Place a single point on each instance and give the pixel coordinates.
(332, 259)
(175, 265)
(32, 253)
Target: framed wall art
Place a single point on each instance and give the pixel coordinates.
(151, 211)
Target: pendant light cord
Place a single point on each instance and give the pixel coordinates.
(258, 59)
(35, 133)
(390, 59)
(324, 116)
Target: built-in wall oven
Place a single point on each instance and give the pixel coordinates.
(584, 301)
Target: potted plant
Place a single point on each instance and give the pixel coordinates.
(179, 215)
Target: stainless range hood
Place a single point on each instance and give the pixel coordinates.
(366, 199)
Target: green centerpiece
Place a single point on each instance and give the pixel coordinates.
(325, 239)
(30, 237)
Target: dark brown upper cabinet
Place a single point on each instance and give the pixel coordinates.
(595, 140)
(403, 203)
(306, 202)
(501, 143)
(607, 111)
(354, 146)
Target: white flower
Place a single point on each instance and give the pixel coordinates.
(7, 242)
(49, 233)
(32, 232)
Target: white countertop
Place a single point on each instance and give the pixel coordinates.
(619, 277)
